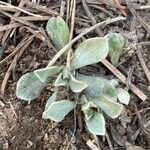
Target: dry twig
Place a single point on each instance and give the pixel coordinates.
(20, 9)
(71, 31)
(42, 9)
(21, 4)
(91, 145)
(9, 26)
(20, 20)
(109, 141)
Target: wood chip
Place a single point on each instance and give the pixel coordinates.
(91, 145)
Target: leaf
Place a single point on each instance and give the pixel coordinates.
(98, 86)
(58, 31)
(95, 84)
(51, 99)
(110, 90)
(116, 44)
(60, 81)
(96, 124)
(110, 107)
(58, 110)
(29, 87)
(90, 51)
(44, 73)
(123, 96)
(76, 85)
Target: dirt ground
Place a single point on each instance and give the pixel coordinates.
(21, 123)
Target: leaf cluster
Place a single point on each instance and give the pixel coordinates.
(98, 95)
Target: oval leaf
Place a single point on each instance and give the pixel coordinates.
(110, 107)
(44, 73)
(116, 44)
(76, 85)
(51, 99)
(58, 110)
(123, 96)
(58, 31)
(90, 51)
(95, 84)
(96, 124)
(29, 87)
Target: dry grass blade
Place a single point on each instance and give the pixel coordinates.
(91, 145)
(42, 9)
(71, 30)
(20, 20)
(105, 2)
(7, 8)
(21, 4)
(143, 64)
(13, 110)
(20, 9)
(62, 8)
(9, 26)
(145, 43)
(102, 9)
(31, 18)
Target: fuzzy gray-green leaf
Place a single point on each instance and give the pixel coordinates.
(29, 87)
(58, 110)
(58, 31)
(51, 99)
(76, 85)
(96, 124)
(123, 96)
(110, 107)
(95, 84)
(116, 43)
(44, 73)
(90, 51)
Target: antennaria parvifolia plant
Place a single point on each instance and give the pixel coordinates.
(96, 93)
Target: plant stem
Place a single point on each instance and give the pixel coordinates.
(71, 32)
